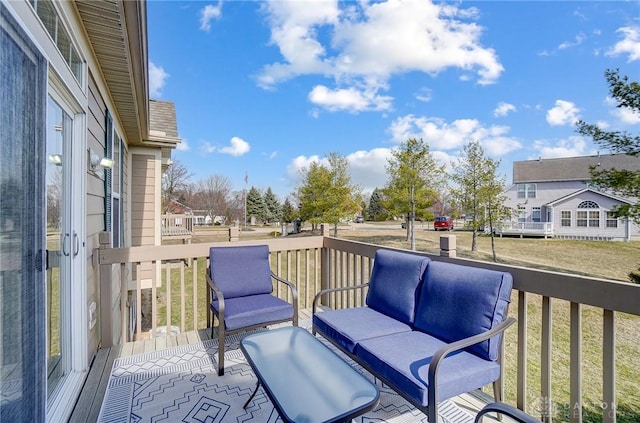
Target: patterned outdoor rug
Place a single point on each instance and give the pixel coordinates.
(181, 385)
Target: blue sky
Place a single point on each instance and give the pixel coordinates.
(264, 88)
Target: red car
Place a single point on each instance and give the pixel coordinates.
(443, 223)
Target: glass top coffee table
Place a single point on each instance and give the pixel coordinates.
(305, 380)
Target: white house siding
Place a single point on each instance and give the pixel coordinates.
(546, 192)
(600, 232)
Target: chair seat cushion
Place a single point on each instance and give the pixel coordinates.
(348, 326)
(242, 312)
(404, 358)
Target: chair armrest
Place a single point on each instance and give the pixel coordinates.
(328, 290)
(218, 295)
(292, 287)
(441, 353)
(507, 410)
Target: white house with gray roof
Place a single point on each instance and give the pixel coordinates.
(556, 198)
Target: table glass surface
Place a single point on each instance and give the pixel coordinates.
(306, 380)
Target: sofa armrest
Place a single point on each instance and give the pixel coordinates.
(294, 294)
(440, 354)
(329, 290)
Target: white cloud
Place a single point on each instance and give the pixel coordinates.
(348, 99)
(424, 95)
(568, 44)
(630, 44)
(367, 43)
(238, 147)
(569, 147)
(183, 146)
(157, 79)
(208, 13)
(624, 115)
(271, 155)
(367, 168)
(503, 109)
(441, 135)
(564, 113)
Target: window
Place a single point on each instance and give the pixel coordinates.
(114, 149)
(588, 218)
(612, 221)
(54, 26)
(565, 218)
(535, 214)
(526, 190)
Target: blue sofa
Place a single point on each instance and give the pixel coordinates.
(430, 330)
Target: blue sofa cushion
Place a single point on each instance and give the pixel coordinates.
(460, 301)
(349, 326)
(242, 312)
(394, 284)
(255, 277)
(404, 358)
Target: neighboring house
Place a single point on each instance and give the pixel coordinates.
(555, 197)
(176, 207)
(82, 150)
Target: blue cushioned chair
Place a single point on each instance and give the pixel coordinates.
(240, 282)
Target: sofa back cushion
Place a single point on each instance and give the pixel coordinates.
(460, 301)
(394, 284)
(241, 271)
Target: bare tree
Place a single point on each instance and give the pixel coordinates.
(175, 181)
(214, 196)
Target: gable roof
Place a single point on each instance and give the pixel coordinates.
(582, 191)
(570, 168)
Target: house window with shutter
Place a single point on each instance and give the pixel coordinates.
(113, 180)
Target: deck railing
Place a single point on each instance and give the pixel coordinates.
(178, 298)
(177, 226)
(526, 228)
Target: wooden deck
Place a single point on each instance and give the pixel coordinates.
(88, 406)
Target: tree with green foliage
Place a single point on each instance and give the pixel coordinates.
(479, 190)
(376, 210)
(288, 211)
(625, 183)
(273, 208)
(255, 205)
(413, 175)
(326, 194)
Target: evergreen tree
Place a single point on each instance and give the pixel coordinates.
(376, 210)
(413, 175)
(272, 206)
(288, 211)
(255, 205)
(623, 182)
(479, 190)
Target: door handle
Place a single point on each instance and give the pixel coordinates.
(76, 241)
(64, 245)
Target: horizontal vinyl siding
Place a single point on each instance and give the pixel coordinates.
(94, 205)
(143, 203)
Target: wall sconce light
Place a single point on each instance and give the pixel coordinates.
(55, 159)
(95, 161)
(167, 162)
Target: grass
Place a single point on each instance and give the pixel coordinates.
(603, 259)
